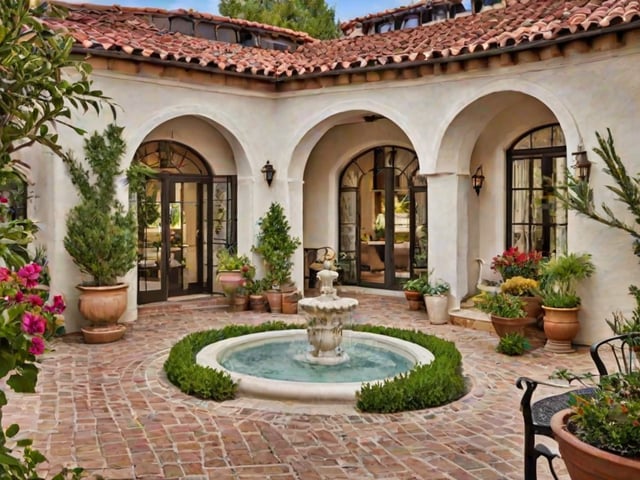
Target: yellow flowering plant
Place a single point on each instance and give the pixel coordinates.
(520, 287)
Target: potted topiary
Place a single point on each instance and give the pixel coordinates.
(506, 311)
(276, 246)
(101, 235)
(436, 299)
(560, 301)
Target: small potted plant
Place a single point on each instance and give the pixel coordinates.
(233, 271)
(101, 234)
(413, 292)
(436, 298)
(514, 263)
(560, 300)
(599, 436)
(528, 290)
(506, 311)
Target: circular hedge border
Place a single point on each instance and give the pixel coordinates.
(424, 386)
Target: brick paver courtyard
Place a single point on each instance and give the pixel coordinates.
(110, 409)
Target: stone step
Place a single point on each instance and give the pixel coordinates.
(471, 318)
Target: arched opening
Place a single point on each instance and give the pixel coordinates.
(185, 215)
(536, 164)
(383, 218)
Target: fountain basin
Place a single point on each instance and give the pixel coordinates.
(307, 391)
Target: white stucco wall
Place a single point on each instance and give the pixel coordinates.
(453, 122)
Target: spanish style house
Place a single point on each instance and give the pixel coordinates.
(372, 140)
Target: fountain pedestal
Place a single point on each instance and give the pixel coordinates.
(326, 314)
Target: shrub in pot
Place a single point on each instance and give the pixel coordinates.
(528, 290)
(101, 234)
(506, 311)
(276, 246)
(514, 263)
(599, 436)
(234, 271)
(560, 300)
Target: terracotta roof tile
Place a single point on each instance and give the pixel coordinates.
(128, 30)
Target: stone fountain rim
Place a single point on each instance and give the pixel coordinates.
(310, 392)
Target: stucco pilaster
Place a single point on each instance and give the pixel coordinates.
(448, 231)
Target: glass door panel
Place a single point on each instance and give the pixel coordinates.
(150, 266)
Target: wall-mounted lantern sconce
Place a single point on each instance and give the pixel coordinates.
(269, 172)
(582, 166)
(477, 179)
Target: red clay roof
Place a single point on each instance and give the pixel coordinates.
(521, 23)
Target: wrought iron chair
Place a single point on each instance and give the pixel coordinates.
(611, 355)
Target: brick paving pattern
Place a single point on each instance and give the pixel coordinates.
(110, 409)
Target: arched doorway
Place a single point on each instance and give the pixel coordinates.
(383, 218)
(536, 164)
(185, 214)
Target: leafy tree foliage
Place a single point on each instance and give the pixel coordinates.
(312, 16)
(34, 92)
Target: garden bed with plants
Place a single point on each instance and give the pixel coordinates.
(424, 386)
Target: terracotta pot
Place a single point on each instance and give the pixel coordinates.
(240, 303)
(230, 281)
(103, 307)
(437, 308)
(274, 297)
(585, 462)
(560, 326)
(416, 302)
(532, 306)
(504, 325)
(290, 303)
(258, 303)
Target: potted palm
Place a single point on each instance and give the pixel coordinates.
(560, 300)
(276, 246)
(436, 299)
(506, 311)
(101, 235)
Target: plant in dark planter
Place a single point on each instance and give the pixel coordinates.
(101, 235)
(599, 436)
(276, 246)
(560, 300)
(506, 311)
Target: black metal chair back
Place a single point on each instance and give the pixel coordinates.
(617, 354)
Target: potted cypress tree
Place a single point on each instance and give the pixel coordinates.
(101, 235)
(276, 246)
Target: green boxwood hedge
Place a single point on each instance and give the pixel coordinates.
(424, 386)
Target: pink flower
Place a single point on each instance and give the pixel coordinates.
(33, 324)
(19, 296)
(58, 305)
(30, 274)
(37, 346)
(35, 300)
(4, 199)
(5, 274)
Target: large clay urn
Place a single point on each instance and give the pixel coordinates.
(586, 462)
(504, 325)
(561, 325)
(103, 307)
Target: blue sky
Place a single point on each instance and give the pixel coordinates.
(345, 9)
